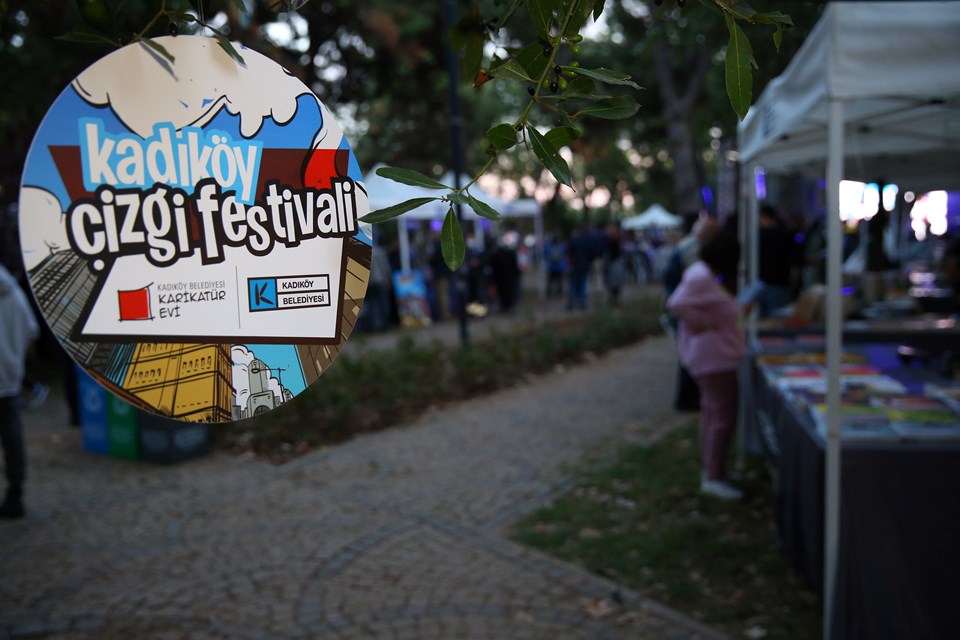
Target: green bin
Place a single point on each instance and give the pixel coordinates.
(122, 437)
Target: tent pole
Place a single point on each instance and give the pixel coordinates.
(746, 273)
(539, 256)
(746, 197)
(753, 242)
(834, 344)
(404, 238)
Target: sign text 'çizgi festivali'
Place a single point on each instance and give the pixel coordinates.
(190, 229)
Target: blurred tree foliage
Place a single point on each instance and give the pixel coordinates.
(380, 65)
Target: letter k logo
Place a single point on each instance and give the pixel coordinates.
(263, 294)
(262, 300)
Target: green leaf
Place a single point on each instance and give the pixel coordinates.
(578, 18)
(96, 13)
(452, 246)
(550, 157)
(472, 56)
(607, 76)
(86, 36)
(511, 69)
(507, 14)
(778, 37)
(409, 176)
(580, 85)
(482, 209)
(159, 48)
(382, 215)
(616, 108)
(773, 17)
(458, 197)
(541, 13)
(739, 75)
(533, 59)
(562, 136)
(227, 46)
(740, 10)
(598, 9)
(502, 136)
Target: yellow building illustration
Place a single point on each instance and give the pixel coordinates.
(188, 382)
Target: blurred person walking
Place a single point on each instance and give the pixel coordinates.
(614, 264)
(581, 251)
(18, 329)
(555, 255)
(505, 271)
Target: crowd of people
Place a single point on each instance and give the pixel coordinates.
(697, 268)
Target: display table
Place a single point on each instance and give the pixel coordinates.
(935, 331)
(899, 547)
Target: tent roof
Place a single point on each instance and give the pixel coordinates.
(654, 216)
(896, 68)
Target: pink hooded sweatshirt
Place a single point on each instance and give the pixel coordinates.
(710, 338)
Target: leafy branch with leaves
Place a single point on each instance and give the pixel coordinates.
(560, 90)
(567, 92)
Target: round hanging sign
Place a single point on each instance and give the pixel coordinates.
(190, 229)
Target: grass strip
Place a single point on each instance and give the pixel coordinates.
(640, 520)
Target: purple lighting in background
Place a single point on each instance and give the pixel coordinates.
(760, 183)
(707, 194)
(953, 211)
(436, 225)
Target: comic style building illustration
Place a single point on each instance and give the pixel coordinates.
(191, 232)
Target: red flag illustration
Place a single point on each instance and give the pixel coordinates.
(135, 304)
(324, 165)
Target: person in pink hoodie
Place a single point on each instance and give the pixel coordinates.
(711, 344)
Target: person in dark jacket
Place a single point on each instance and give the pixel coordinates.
(581, 250)
(18, 329)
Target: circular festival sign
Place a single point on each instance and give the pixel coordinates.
(190, 229)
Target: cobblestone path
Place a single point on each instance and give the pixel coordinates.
(397, 535)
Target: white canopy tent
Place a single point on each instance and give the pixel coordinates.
(873, 92)
(653, 217)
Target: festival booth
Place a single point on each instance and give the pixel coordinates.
(873, 92)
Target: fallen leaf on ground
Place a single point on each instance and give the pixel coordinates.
(598, 608)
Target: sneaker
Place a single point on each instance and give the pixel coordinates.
(720, 489)
(11, 509)
(38, 394)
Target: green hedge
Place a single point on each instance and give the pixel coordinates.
(381, 388)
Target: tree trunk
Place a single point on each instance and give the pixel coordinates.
(678, 104)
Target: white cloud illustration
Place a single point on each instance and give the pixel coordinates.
(200, 82)
(41, 225)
